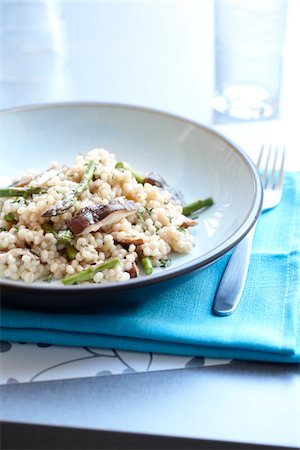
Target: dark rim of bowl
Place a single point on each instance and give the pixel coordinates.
(200, 262)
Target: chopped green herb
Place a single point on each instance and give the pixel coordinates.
(181, 229)
(140, 216)
(148, 210)
(9, 218)
(2, 229)
(165, 262)
(48, 278)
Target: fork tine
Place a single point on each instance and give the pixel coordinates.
(281, 171)
(264, 175)
(260, 156)
(271, 178)
(270, 183)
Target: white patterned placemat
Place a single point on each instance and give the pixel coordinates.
(23, 363)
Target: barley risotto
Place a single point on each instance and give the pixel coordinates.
(97, 221)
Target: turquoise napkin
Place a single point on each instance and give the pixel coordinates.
(177, 319)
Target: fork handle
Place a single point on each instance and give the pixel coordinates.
(233, 281)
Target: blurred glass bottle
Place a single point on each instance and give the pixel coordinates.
(249, 38)
(32, 41)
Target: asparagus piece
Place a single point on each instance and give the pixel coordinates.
(69, 200)
(48, 228)
(140, 178)
(21, 191)
(62, 237)
(88, 274)
(71, 252)
(9, 218)
(147, 265)
(187, 210)
(88, 175)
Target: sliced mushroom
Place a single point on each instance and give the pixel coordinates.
(134, 271)
(139, 250)
(23, 182)
(127, 240)
(91, 218)
(189, 223)
(44, 176)
(48, 174)
(156, 180)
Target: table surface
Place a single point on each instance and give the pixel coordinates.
(159, 55)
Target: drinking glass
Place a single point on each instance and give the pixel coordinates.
(249, 39)
(32, 41)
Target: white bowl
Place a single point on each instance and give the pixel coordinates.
(191, 157)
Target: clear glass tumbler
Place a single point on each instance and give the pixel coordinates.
(32, 40)
(249, 39)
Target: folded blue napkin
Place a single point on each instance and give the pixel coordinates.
(178, 319)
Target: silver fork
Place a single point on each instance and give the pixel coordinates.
(233, 281)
